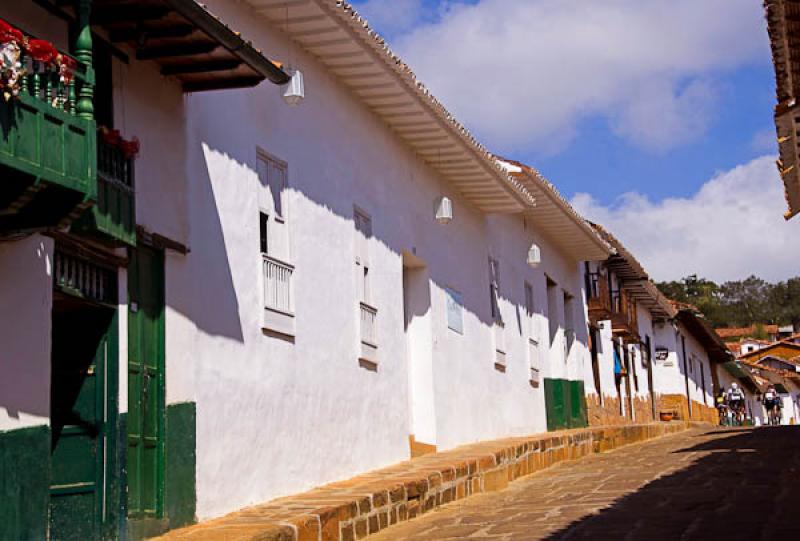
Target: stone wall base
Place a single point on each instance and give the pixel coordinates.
(608, 414)
(356, 508)
(679, 406)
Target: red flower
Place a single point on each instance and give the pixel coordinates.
(42, 51)
(130, 148)
(8, 33)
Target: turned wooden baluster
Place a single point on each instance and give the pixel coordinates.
(83, 53)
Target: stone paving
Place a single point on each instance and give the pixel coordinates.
(366, 504)
(704, 484)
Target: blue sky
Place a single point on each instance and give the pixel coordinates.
(602, 163)
(632, 109)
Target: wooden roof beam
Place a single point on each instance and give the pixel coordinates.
(202, 67)
(175, 50)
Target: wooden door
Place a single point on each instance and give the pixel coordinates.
(82, 414)
(146, 383)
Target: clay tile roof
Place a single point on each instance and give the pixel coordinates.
(635, 279)
(331, 30)
(556, 217)
(735, 332)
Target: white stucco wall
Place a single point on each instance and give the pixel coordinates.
(303, 411)
(26, 300)
(669, 376)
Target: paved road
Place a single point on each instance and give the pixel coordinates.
(698, 485)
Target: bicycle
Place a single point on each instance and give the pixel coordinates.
(774, 414)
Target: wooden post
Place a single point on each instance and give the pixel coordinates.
(83, 53)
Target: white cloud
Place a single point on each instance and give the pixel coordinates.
(731, 228)
(527, 72)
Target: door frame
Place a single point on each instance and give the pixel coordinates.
(109, 471)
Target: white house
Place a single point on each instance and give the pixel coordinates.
(221, 296)
(651, 356)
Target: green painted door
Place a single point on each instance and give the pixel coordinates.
(83, 403)
(578, 416)
(555, 404)
(146, 384)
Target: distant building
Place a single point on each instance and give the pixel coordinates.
(771, 333)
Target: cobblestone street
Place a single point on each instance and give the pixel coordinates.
(701, 484)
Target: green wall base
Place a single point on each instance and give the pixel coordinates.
(24, 483)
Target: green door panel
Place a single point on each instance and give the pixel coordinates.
(83, 402)
(565, 403)
(146, 384)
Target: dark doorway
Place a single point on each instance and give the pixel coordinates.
(83, 416)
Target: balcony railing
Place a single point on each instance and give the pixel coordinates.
(114, 215)
(369, 328)
(47, 137)
(599, 297)
(82, 278)
(624, 320)
(278, 285)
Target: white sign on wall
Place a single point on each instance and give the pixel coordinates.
(455, 310)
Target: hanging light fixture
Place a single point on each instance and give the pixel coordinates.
(444, 210)
(534, 256)
(294, 91)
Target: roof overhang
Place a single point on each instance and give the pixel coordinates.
(343, 42)
(556, 218)
(743, 375)
(187, 41)
(783, 24)
(635, 279)
(700, 328)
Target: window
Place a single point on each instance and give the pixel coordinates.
(497, 317)
(455, 311)
(368, 351)
(530, 308)
(273, 237)
(263, 220)
(569, 324)
(274, 232)
(533, 337)
(494, 289)
(273, 175)
(363, 225)
(552, 305)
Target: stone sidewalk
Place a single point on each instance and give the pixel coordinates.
(367, 504)
(699, 485)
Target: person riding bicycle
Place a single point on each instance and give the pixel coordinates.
(773, 404)
(722, 408)
(735, 400)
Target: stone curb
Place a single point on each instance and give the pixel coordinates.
(353, 509)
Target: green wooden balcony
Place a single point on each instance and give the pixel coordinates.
(47, 150)
(113, 217)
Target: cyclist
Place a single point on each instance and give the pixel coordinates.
(773, 404)
(735, 399)
(722, 408)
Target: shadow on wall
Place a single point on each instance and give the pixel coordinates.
(208, 298)
(330, 190)
(746, 489)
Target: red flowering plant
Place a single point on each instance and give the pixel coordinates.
(12, 68)
(113, 139)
